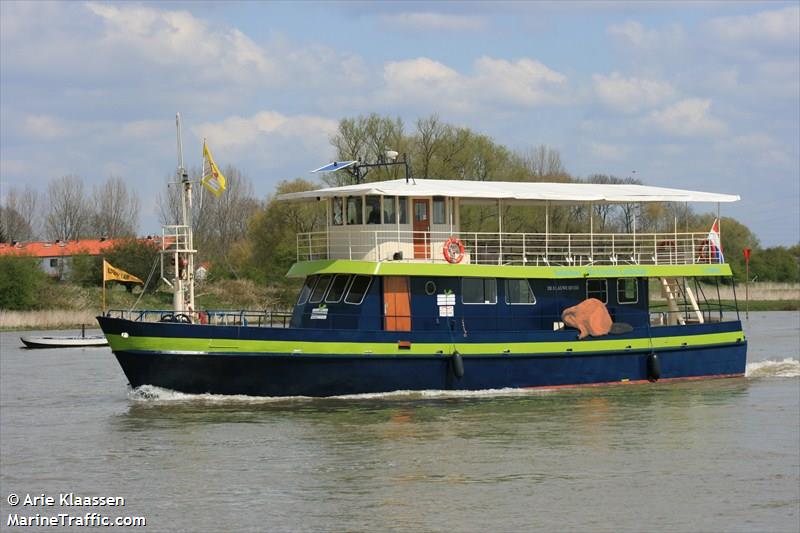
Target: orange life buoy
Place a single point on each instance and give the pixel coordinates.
(453, 250)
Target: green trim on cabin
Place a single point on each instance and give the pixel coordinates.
(225, 346)
(400, 268)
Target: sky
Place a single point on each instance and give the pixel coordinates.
(696, 95)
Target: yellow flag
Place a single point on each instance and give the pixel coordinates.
(111, 273)
(213, 180)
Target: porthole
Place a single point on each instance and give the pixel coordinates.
(430, 288)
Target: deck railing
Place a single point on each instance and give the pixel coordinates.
(531, 249)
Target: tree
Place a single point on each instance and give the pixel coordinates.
(218, 223)
(273, 229)
(138, 257)
(21, 283)
(222, 221)
(544, 164)
(68, 213)
(366, 139)
(18, 214)
(116, 209)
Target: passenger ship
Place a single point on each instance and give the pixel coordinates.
(397, 297)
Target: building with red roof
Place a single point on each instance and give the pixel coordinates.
(55, 256)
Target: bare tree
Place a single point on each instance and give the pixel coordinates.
(20, 218)
(544, 163)
(366, 139)
(116, 209)
(430, 134)
(68, 212)
(218, 223)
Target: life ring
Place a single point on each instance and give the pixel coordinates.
(453, 251)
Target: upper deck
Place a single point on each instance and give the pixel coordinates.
(417, 221)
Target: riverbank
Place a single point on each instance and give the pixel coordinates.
(76, 306)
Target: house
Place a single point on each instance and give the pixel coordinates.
(55, 256)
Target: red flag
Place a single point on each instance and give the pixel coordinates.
(746, 252)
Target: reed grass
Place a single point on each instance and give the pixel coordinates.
(48, 319)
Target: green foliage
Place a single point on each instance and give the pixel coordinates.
(137, 257)
(775, 264)
(272, 234)
(86, 270)
(22, 283)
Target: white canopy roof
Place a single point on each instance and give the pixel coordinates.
(517, 191)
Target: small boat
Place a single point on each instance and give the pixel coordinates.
(64, 341)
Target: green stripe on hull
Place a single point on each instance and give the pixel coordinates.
(399, 268)
(169, 344)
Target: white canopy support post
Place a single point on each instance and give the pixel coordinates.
(546, 230)
(500, 229)
(591, 231)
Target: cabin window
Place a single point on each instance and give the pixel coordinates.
(597, 288)
(305, 292)
(627, 290)
(337, 211)
(402, 209)
(319, 290)
(519, 292)
(438, 210)
(389, 210)
(337, 289)
(53, 263)
(358, 289)
(372, 207)
(354, 213)
(479, 291)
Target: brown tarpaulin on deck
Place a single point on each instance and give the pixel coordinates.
(590, 317)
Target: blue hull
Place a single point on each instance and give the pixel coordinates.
(321, 375)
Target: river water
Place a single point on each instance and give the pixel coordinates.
(716, 455)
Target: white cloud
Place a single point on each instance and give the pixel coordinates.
(525, 82)
(688, 118)
(633, 35)
(609, 151)
(630, 95)
(492, 83)
(430, 21)
(43, 127)
(252, 132)
(177, 38)
(779, 26)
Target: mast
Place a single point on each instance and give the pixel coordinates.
(178, 240)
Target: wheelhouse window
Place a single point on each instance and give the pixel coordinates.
(479, 291)
(358, 289)
(519, 292)
(372, 207)
(402, 209)
(597, 288)
(354, 212)
(337, 289)
(627, 290)
(438, 210)
(337, 211)
(389, 210)
(319, 291)
(305, 292)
